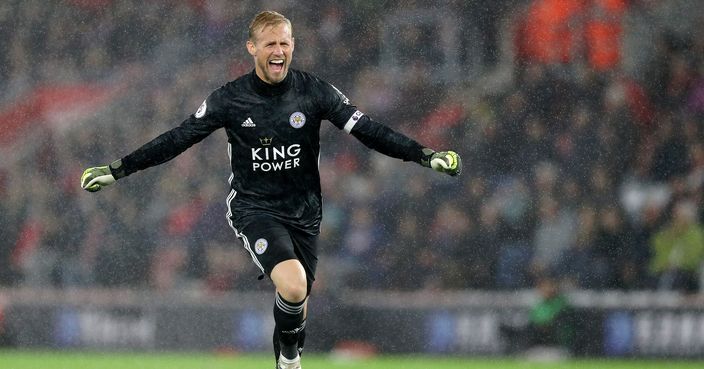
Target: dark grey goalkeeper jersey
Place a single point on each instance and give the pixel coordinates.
(273, 143)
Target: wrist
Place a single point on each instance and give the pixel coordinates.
(426, 155)
(117, 170)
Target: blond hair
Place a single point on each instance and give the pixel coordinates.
(265, 19)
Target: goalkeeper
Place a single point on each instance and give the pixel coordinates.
(272, 119)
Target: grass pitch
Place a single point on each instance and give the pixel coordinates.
(95, 360)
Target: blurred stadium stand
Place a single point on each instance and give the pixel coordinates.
(581, 124)
(612, 324)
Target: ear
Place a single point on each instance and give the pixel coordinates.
(251, 48)
(293, 43)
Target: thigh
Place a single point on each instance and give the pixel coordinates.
(267, 241)
(305, 246)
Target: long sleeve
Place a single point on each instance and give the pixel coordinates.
(166, 146)
(386, 141)
(171, 143)
(377, 136)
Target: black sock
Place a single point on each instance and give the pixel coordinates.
(300, 344)
(301, 338)
(289, 322)
(277, 344)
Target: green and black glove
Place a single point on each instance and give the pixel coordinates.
(95, 178)
(448, 162)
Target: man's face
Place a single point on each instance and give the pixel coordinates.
(272, 49)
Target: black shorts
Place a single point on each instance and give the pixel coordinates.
(270, 241)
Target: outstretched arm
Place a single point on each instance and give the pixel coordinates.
(161, 149)
(389, 142)
(338, 110)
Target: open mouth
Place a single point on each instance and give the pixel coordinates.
(276, 65)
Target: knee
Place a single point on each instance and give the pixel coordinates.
(289, 277)
(293, 290)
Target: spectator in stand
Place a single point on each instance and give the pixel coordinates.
(485, 249)
(578, 265)
(670, 158)
(7, 335)
(453, 231)
(554, 233)
(9, 207)
(678, 250)
(614, 248)
(552, 321)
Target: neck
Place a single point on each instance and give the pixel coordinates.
(268, 89)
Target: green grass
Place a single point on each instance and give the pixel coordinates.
(95, 360)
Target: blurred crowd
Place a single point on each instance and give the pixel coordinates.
(586, 163)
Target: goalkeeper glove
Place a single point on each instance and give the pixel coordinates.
(95, 178)
(448, 162)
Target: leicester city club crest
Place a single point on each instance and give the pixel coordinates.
(260, 246)
(297, 119)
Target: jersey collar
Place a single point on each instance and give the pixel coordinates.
(265, 89)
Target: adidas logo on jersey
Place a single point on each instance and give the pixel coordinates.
(248, 123)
